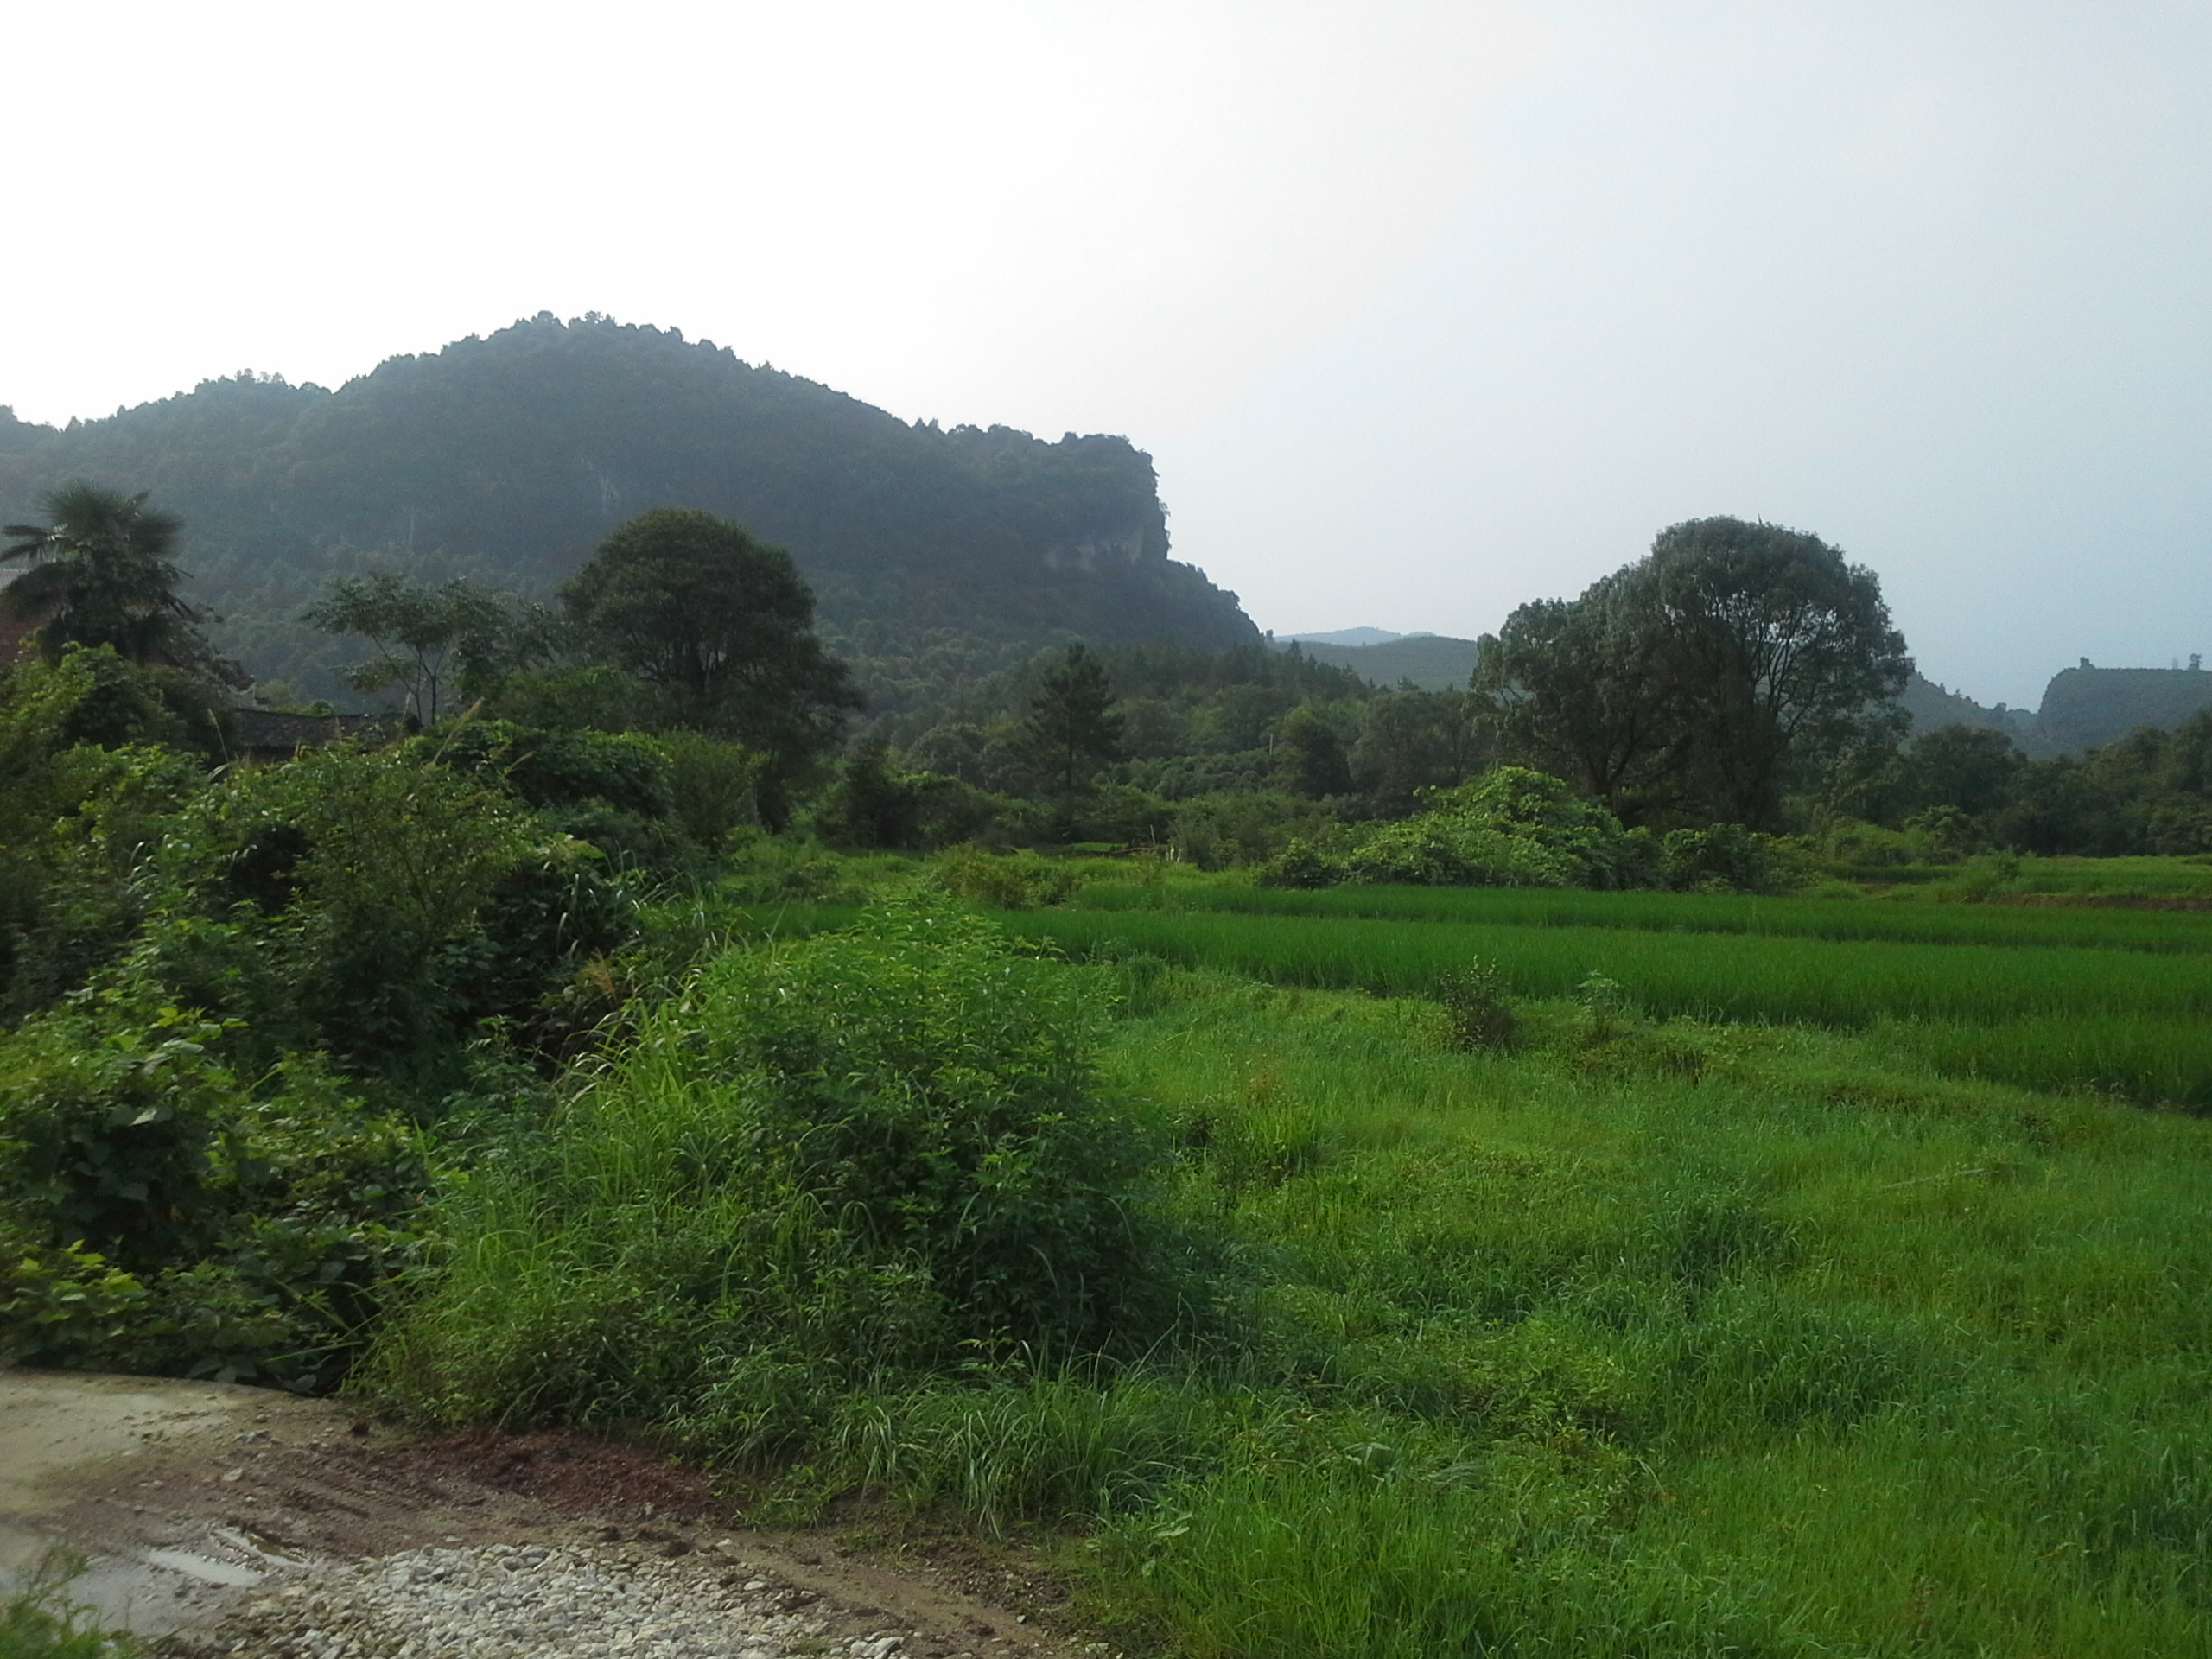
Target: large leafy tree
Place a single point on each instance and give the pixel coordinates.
(100, 572)
(1779, 655)
(1579, 687)
(1701, 682)
(724, 626)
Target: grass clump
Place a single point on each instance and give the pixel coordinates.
(862, 1156)
(41, 1622)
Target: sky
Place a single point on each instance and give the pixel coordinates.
(1424, 308)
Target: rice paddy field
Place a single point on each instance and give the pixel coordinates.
(1805, 1277)
(2117, 1000)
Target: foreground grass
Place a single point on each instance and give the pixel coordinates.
(1569, 1352)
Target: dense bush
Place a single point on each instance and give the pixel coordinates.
(163, 1213)
(868, 1153)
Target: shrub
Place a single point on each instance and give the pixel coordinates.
(1474, 999)
(1727, 858)
(866, 1152)
(713, 781)
(1510, 828)
(546, 767)
(1300, 866)
(1003, 881)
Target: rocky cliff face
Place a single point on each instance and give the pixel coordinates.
(2085, 707)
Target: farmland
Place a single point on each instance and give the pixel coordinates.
(1797, 1277)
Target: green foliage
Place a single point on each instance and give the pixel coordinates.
(2052, 1014)
(1701, 683)
(714, 783)
(866, 1152)
(41, 1622)
(1728, 858)
(1003, 881)
(162, 1214)
(381, 864)
(1071, 727)
(101, 574)
(429, 642)
(1314, 762)
(557, 768)
(1509, 828)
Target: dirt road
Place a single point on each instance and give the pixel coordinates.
(236, 1520)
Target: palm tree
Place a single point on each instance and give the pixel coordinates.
(100, 574)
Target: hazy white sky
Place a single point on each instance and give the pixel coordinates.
(1424, 309)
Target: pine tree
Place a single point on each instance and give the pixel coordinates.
(1072, 727)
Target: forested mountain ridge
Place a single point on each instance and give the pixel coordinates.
(509, 457)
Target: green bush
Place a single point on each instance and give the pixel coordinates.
(161, 1215)
(1509, 828)
(868, 1153)
(1474, 999)
(1728, 858)
(548, 767)
(1003, 881)
(713, 781)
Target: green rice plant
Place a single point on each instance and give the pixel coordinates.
(1821, 1354)
(2098, 927)
(1724, 975)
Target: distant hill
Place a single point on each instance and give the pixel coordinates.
(1431, 661)
(2082, 708)
(932, 553)
(1351, 637)
(1931, 705)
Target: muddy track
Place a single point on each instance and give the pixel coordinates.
(233, 1520)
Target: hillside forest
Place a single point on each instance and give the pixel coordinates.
(1076, 1090)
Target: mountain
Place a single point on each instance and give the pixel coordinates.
(1432, 662)
(931, 552)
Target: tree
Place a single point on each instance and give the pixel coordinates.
(424, 637)
(1697, 684)
(1310, 757)
(100, 573)
(1072, 728)
(722, 626)
(1576, 688)
(1778, 657)
(1410, 741)
(1971, 767)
